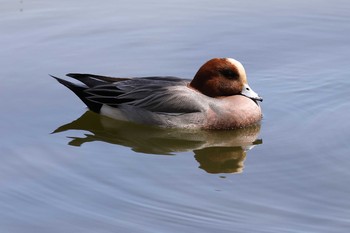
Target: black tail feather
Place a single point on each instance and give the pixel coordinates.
(81, 93)
(92, 80)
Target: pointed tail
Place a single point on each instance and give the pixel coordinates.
(81, 93)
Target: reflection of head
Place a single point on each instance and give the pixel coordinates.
(221, 159)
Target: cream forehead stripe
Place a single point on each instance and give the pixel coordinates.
(237, 64)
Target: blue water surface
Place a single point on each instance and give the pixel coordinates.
(65, 169)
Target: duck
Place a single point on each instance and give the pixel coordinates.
(218, 97)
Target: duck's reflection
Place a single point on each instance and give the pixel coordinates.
(216, 151)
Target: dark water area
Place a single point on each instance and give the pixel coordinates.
(66, 169)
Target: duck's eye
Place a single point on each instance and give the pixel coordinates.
(247, 88)
(229, 73)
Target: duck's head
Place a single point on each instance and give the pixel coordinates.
(223, 77)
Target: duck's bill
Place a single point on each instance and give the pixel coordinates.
(248, 92)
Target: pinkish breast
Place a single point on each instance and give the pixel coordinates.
(233, 112)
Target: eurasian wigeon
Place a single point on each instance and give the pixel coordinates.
(218, 97)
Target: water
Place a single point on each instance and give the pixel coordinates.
(66, 170)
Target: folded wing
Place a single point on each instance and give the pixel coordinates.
(166, 95)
